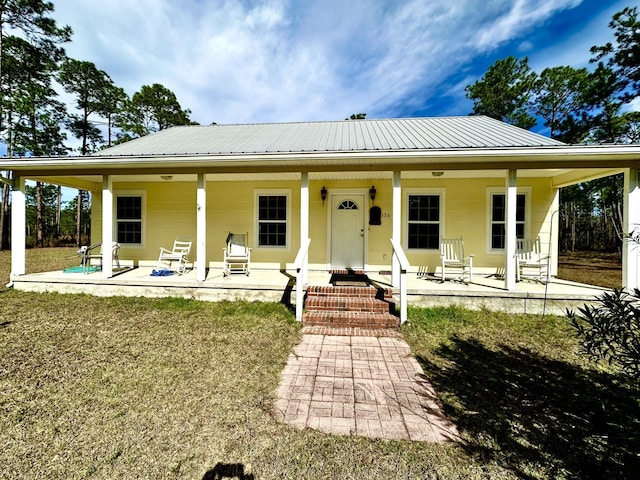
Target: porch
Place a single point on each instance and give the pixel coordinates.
(485, 291)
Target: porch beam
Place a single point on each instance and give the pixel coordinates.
(428, 163)
(631, 226)
(396, 222)
(6, 181)
(107, 226)
(70, 182)
(201, 228)
(18, 228)
(511, 198)
(304, 223)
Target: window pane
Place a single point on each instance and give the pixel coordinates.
(497, 235)
(129, 232)
(424, 235)
(520, 208)
(424, 208)
(498, 208)
(520, 230)
(272, 234)
(129, 208)
(348, 205)
(272, 207)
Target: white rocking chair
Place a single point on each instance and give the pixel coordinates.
(237, 254)
(452, 257)
(179, 253)
(530, 261)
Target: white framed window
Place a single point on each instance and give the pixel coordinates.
(423, 218)
(497, 216)
(273, 218)
(129, 217)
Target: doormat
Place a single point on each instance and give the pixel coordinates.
(350, 279)
(81, 269)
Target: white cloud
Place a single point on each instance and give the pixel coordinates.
(518, 16)
(279, 60)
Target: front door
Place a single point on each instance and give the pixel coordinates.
(347, 231)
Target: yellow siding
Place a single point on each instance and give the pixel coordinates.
(171, 212)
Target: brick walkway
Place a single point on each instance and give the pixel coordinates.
(360, 385)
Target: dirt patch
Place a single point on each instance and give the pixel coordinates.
(594, 268)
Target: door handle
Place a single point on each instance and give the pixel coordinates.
(362, 232)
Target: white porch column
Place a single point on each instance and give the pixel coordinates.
(631, 225)
(304, 222)
(107, 226)
(201, 228)
(18, 227)
(511, 199)
(555, 234)
(396, 222)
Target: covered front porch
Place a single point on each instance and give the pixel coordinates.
(483, 292)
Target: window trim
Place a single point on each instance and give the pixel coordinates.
(491, 191)
(257, 193)
(407, 192)
(143, 220)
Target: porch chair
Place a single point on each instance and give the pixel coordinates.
(179, 253)
(530, 261)
(452, 257)
(237, 254)
(87, 256)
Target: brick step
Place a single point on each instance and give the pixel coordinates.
(354, 304)
(346, 291)
(350, 319)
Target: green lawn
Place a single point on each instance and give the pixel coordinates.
(169, 388)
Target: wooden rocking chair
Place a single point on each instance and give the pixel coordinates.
(179, 253)
(452, 258)
(530, 261)
(237, 254)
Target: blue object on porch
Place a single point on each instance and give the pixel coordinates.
(81, 269)
(161, 273)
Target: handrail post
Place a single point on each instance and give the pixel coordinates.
(302, 270)
(403, 296)
(299, 302)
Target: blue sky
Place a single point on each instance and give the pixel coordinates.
(297, 60)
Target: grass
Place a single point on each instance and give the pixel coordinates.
(524, 399)
(171, 388)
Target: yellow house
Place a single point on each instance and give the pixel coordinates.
(369, 195)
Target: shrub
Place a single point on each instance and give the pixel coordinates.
(610, 330)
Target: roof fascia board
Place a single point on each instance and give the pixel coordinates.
(561, 157)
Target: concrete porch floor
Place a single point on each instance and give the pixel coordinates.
(273, 285)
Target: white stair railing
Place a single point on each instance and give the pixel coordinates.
(402, 281)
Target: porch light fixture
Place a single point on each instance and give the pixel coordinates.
(323, 194)
(166, 177)
(372, 193)
(437, 174)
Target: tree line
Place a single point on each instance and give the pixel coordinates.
(577, 106)
(33, 120)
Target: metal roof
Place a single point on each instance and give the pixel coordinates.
(408, 134)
